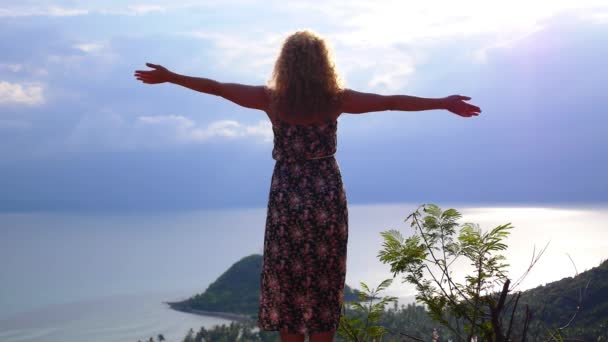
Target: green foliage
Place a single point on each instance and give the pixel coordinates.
(160, 337)
(424, 260)
(190, 336)
(367, 329)
(234, 332)
(575, 307)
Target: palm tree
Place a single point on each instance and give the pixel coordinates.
(189, 337)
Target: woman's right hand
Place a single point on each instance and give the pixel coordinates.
(456, 105)
(160, 74)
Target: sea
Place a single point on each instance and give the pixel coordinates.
(91, 276)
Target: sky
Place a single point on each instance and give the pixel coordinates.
(79, 133)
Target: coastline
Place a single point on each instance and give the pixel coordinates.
(178, 306)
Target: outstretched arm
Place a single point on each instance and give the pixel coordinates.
(357, 102)
(248, 96)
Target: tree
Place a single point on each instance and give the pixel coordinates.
(368, 329)
(482, 303)
(190, 336)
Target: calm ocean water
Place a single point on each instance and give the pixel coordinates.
(103, 277)
(111, 319)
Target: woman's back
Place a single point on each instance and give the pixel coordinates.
(306, 235)
(295, 142)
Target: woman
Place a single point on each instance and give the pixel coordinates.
(306, 234)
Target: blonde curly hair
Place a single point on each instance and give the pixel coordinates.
(305, 85)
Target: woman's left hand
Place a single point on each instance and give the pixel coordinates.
(456, 105)
(160, 74)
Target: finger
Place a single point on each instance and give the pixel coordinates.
(147, 77)
(464, 98)
(154, 66)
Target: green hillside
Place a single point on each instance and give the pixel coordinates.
(236, 291)
(581, 301)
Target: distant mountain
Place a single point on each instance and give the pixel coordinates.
(578, 303)
(236, 293)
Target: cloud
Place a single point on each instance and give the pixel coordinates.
(374, 31)
(89, 47)
(22, 94)
(481, 54)
(242, 51)
(146, 8)
(16, 8)
(12, 67)
(180, 129)
(108, 130)
(256, 56)
(391, 73)
(51, 11)
(92, 57)
(380, 44)
(23, 68)
(598, 18)
(390, 21)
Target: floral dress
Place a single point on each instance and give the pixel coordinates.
(304, 265)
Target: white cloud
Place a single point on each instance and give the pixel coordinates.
(389, 66)
(395, 21)
(374, 31)
(65, 12)
(92, 57)
(179, 129)
(393, 79)
(25, 94)
(481, 54)
(262, 129)
(16, 8)
(146, 8)
(251, 52)
(52, 11)
(598, 18)
(366, 32)
(24, 68)
(11, 67)
(109, 130)
(89, 47)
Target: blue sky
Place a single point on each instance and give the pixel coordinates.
(78, 132)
